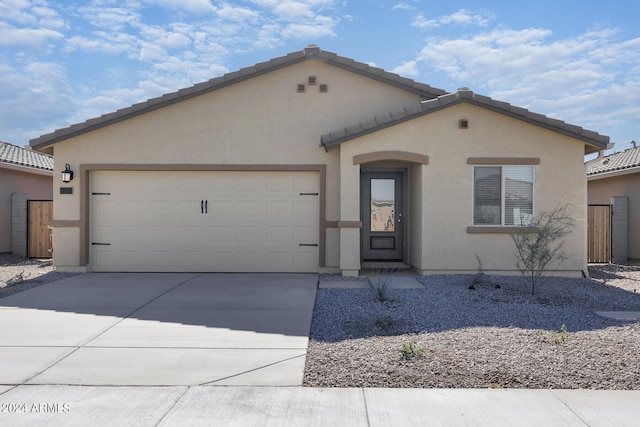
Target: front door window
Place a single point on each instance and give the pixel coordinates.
(382, 215)
(383, 205)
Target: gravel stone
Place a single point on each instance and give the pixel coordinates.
(488, 337)
(479, 338)
(18, 274)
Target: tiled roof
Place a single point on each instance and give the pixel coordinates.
(12, 154)
(619, 161)
(312, 52)
(337, 137)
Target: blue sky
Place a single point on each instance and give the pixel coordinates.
(62, 62)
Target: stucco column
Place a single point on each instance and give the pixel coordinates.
(349, 217)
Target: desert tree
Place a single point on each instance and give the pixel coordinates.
(542, 242)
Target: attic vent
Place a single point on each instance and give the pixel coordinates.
(300, 88)
(312, 80)
(464, 124)
(324, 88)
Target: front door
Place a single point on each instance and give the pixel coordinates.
(382, 213)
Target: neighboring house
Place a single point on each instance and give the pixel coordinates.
(313, 162)
(24, 175)
(614, 180)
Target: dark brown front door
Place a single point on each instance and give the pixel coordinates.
(382, 213)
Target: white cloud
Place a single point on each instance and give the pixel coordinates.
(34, 99)
(409, 68)
(168, 39)
(237, 14)
(150, 52)
(114, 19)
(27, 23)
(11, 36)
(321, 27)
(188, 5)
(403, 6)
(572, 79)
(461, 17)
(105, 42)
(137, 48)
(293, 10)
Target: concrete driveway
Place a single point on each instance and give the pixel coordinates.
(159, 329)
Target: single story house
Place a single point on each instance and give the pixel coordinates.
(24, 176)
(313, 162)
(614, 180)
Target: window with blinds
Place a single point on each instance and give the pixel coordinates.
(503, 195)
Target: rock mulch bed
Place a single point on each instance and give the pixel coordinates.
(18, 273)
(454, 337)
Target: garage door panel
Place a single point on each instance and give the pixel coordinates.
(280, 233)
(305, 208)
(278, 208)
(255, 221)
(246, 208)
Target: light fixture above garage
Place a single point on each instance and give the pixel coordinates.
(67, 173)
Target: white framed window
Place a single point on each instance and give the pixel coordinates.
(502, 195)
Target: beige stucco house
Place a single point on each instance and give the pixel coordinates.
(614, 180)
(24, 176)
(313, 162)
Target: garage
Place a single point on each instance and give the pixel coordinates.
(204, 221)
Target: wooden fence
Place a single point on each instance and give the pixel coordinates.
(599, 217)
(40, 214)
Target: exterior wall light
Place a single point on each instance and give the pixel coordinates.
(67, 173)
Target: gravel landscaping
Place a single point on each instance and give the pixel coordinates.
(18, 274)
(497, 335)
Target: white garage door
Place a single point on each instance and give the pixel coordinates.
(204, 221)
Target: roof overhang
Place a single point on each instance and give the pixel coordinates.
(614, 173)
(26, 169)
(44, 143)
(593, 141)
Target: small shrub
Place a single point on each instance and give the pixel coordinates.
(384, 322)
(380, 284)
(560, 336)
(411, 350)
(480, 277)
(555, 337)
(535, 249)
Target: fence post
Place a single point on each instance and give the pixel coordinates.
(620, 230)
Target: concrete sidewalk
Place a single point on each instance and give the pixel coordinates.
(50, 405)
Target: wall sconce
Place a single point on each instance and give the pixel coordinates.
(67, 173)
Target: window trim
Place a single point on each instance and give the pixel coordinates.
(502, 227)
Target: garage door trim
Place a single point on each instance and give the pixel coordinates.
(85, 186)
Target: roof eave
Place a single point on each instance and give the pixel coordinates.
(310, 53)
(593, 143)
(26, 169)
(613, 173)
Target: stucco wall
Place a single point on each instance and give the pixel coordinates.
(263, 120)
(12, 181)
(447, 184)
(602, 190)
